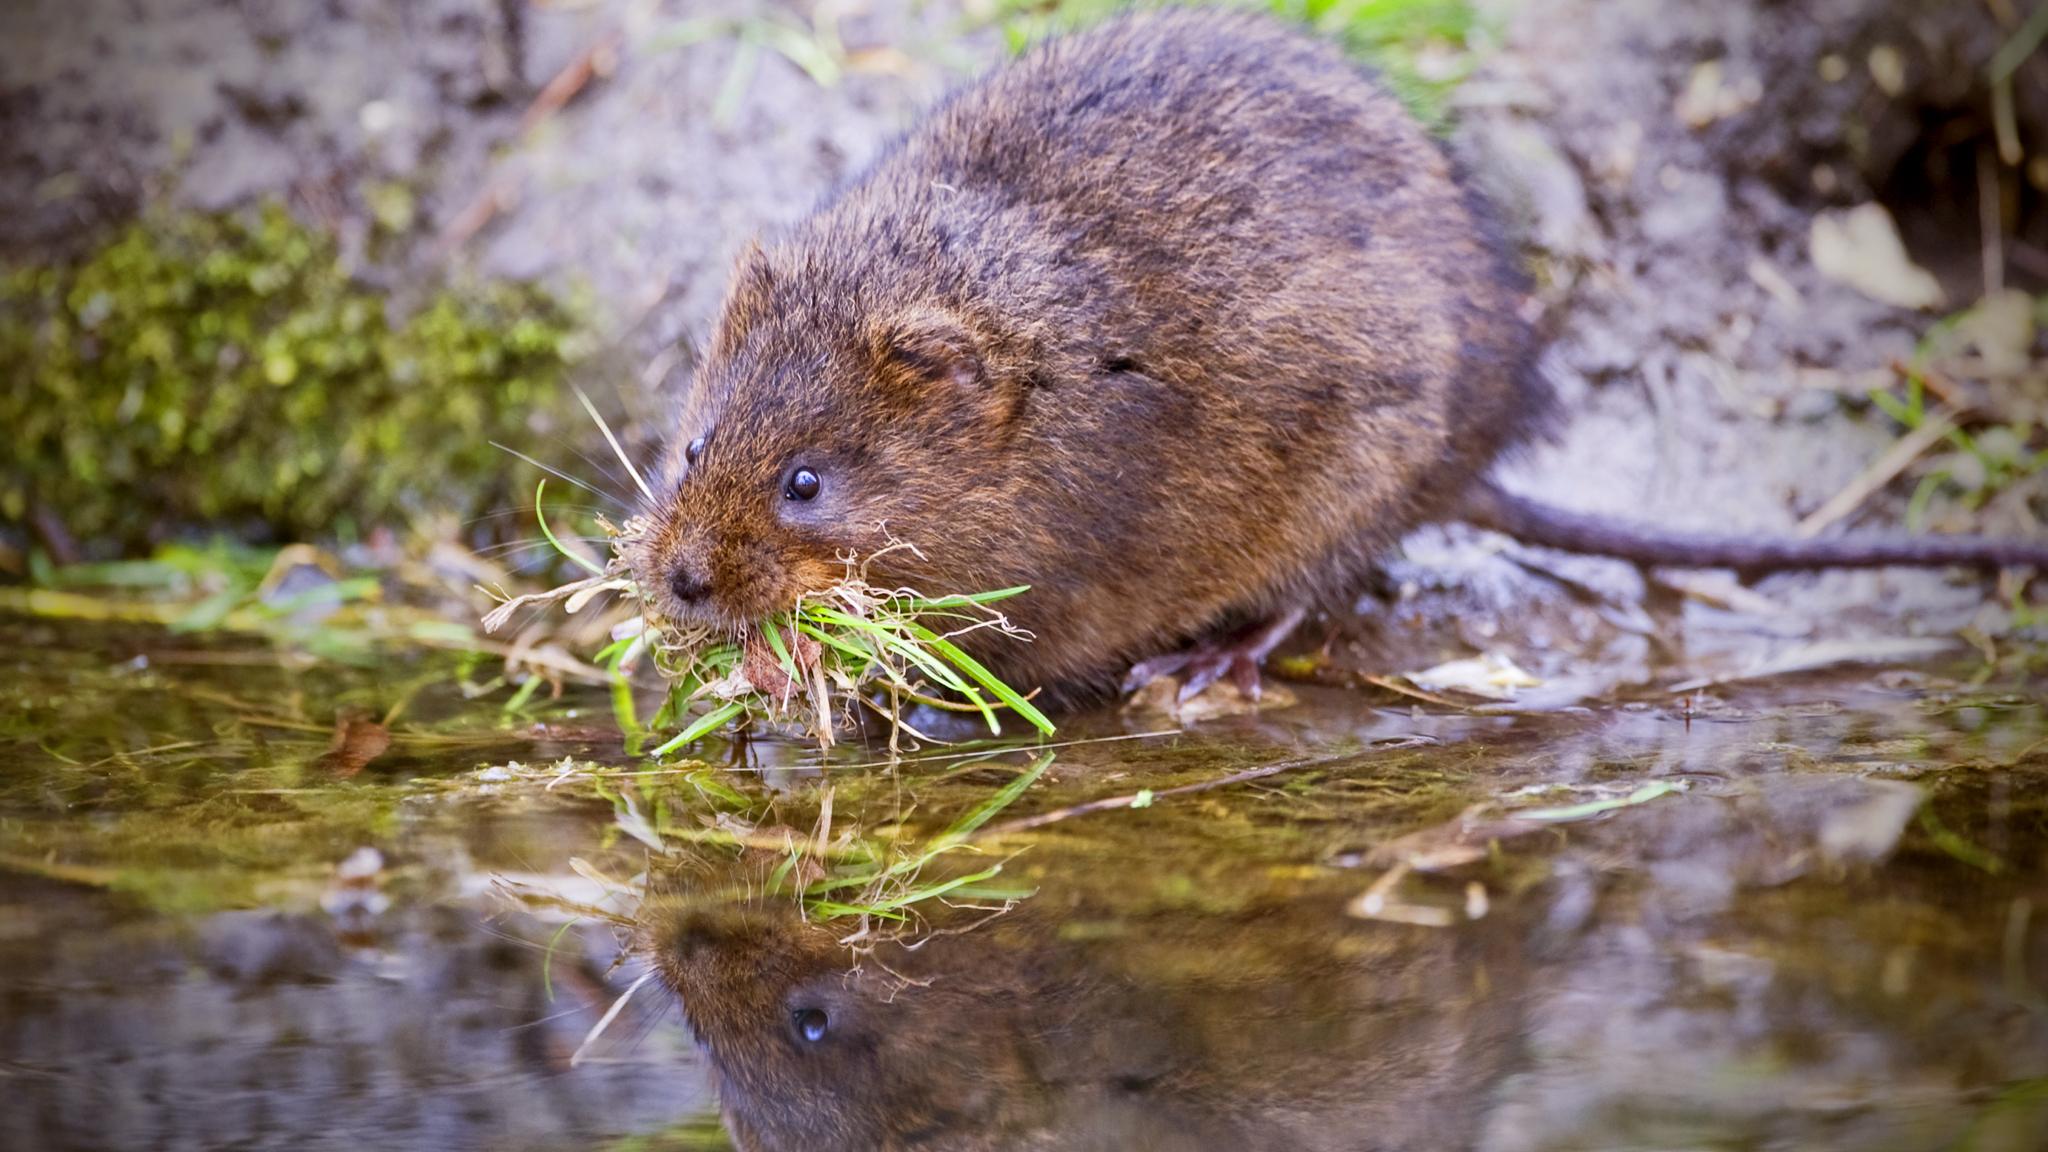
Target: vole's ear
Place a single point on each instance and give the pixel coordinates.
(924, 349)
(747, 299)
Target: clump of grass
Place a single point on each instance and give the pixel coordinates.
(854, 645)
(1976, 364)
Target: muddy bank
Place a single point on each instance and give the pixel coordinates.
(429, 139)
(417, 146)
(1664, 164)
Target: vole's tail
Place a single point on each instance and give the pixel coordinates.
(1530, 522)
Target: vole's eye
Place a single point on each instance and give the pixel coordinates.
(803, 484)
(695, 450)
(810, 1024)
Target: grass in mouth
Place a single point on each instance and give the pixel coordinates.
(850, 646)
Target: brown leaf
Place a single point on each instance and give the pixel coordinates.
(357, 741)
(765, 671)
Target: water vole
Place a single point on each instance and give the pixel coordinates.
(1170, 321)
(1181, 322)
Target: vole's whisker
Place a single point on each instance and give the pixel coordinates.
(611, 477)
(503, 513)
(520, 547)
(557, 473)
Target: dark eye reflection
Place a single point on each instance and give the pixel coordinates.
(803, 484)
(811, 1024)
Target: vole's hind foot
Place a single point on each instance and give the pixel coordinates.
(1205, 662)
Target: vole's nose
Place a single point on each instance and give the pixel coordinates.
(704, 931)
(689, 583)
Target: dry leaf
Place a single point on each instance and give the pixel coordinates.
(1493, 676)
(1860, 248)
(357, 741)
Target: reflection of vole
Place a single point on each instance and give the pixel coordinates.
(1259, 1034)
(1181, 322)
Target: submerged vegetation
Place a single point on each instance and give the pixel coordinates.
(228, 369)
(877, 879)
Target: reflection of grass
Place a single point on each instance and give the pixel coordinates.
(1422, 48)
(834, 873)
(156, 781)
(265, 850)
(870, 879)
(887, 885)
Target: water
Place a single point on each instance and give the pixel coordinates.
(1812, 913)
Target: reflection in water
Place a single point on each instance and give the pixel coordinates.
(1744, 965)
(1827, 929)
(269, 1030)
(1039, 1030)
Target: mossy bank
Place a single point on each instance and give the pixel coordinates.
(229, 370)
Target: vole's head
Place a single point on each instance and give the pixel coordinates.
(824, 424)
(816, 1052)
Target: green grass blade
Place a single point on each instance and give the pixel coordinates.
(705, 724)
(772, 627)
(915, 895)
(582, 561)
(919, 604)
(982, 676)
(988, 808)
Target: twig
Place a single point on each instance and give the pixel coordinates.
(1390, 684)
(1936, 381)
(610, 1015)
(1881, 472)
(1112, 802)
(1991, 222)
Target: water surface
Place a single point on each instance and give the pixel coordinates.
(1805, 913)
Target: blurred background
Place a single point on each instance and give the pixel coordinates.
(296, 300)
(326, 273)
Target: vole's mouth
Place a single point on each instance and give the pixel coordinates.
(707, 617)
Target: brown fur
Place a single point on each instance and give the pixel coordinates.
(1268, 1031)
(1180, 321)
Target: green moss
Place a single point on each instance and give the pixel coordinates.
(228, 368)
